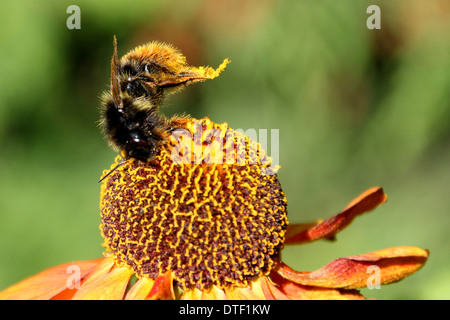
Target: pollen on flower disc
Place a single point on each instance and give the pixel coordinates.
(209, 222)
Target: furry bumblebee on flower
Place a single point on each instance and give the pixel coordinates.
(200, 229)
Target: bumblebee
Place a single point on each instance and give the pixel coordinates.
(139, 82)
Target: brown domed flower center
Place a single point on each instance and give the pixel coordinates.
(208, 223)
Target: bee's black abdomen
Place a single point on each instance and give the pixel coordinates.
(139, 146)
(136, 131)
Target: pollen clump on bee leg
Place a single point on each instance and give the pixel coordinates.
(210, 73)
(210, 223)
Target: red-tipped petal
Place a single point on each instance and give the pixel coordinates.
(162, 288)
(367, 201)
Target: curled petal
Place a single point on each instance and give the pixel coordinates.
(284, 289)
(295, 229)
(355, 272)
(367, 201)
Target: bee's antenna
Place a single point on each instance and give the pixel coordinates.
(114, 169)
(114, 81)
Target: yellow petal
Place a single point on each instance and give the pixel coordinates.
(243, 293)
(140, 290)
(191, 294)
(214, 293)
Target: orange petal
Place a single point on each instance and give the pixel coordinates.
(275, 290)
(327, 229)
(283, 289)
(110, 286)
(162, 288)
(378, 267)
(48, 283)
(102, 268)
(265, 287)
(257, 287)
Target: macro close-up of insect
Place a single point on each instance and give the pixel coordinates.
(139, 82)
(313, 167)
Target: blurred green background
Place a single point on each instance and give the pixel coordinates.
(355, 108)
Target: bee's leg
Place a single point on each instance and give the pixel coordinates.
(122, 161)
